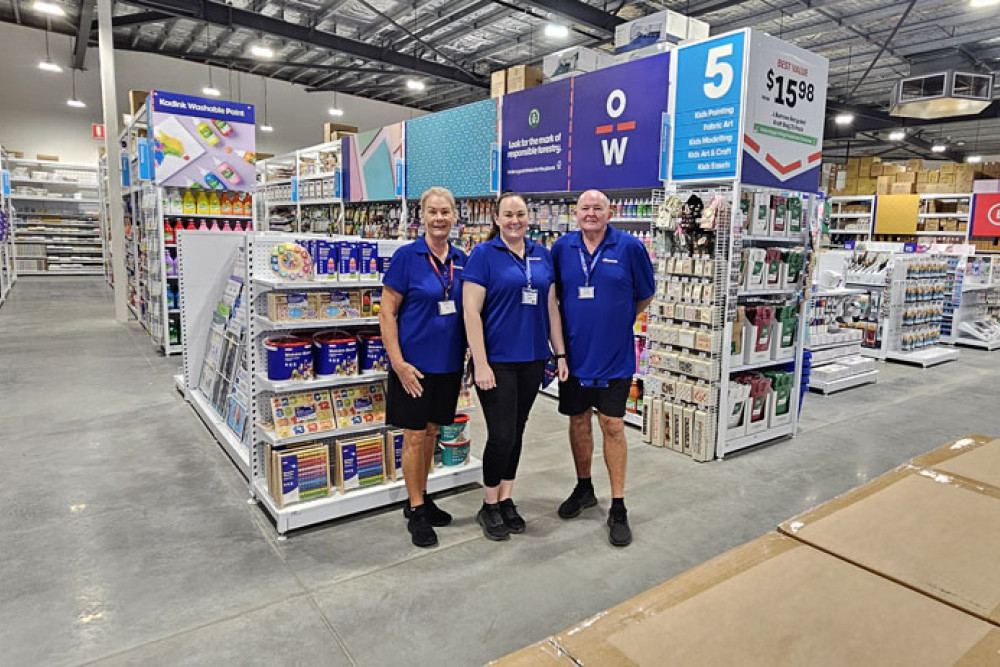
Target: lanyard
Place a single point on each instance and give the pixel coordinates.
(588, 272)
(527, 264)
(445, 286)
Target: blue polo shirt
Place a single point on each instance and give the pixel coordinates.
(433, 343)
(598, 331)
(514, 331)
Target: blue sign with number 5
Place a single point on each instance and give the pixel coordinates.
(709, 97)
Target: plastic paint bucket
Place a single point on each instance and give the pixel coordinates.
(373, 356)
(456, 431)
(336, 353)
(289, 358)
(454, 453)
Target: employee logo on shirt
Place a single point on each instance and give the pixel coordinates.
(534, 118)
(609, 261)
(534, 259)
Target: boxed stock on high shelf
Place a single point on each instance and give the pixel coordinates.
(725, 327)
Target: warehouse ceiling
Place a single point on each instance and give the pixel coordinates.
(371, 48)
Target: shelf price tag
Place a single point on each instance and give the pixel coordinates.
(338, 183)
(5, 178)
(145, 160)
(399, 177)
(126, 173)
(295, 188)
(495, 167)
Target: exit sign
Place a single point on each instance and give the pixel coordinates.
(97, 130)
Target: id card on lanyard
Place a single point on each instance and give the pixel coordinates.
(529, 295)
(446, 306)
(586, 291)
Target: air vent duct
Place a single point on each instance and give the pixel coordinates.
(942, 95)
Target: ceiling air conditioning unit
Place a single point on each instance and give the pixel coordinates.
(942, 95)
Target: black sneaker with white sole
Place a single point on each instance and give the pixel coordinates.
(436, 516)
(421, 531)
(619, 534)
(511, 519)
(578, 501)
(491, 520)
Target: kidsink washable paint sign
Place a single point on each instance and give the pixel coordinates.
(199, 142)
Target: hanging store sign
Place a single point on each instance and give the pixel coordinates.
(535, 149)
(985, 215)
(784, 115)
(200, 142)
(617, 114)
(707, 109)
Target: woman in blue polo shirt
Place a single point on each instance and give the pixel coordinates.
(423, 333)
(511, 317)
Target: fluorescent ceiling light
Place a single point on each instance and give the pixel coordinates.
(79, 104)
(975, 4)
(939, 148)
(897, 135)
(266, 128)
(974, 159)
(844, 118)
(211, 91)
(49, 66)
(48, 8)
(262, 51)
(334, 111)
(559, 31)
(413, 84)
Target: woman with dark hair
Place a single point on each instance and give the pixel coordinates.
(511, 319)
(421, 322)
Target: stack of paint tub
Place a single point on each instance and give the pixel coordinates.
(454, 442)
(329, 353)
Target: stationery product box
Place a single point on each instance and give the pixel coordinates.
(290, 306)
(759, 214)
(780, 409)
(574, 60)
(739, 394)
(371, 302)
(368, 254)
(498, 83)
(786, 324)
(334, 131)
(760, 331)
(324, 255)
(772, 601)
(394, 454)
(522, 77)
(929, 531)
(300, 474)
(360, 462)
(348, 261)
(335, 304)
(738, 343)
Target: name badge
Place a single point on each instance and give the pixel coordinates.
(447, 308)
(529, 297)
(586, 292)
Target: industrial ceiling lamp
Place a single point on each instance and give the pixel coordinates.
(266, 127)
(975, 158)
(335, 110)
(75, 101)
(843, 118)
(48, 65)
(49, 8)
(415, 85)
(897, 135)
(939, 147)
(210, 89)
(556, 31)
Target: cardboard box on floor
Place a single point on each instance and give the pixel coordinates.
(931, 531)
(975, 458)
(777, 601)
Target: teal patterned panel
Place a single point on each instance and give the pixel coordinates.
(452, 148)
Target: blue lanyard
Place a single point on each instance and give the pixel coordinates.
(588, 271)
(527, 264)
(445, 286)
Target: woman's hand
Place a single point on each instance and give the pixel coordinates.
(410, 378)
(485, 379)
(562, 370)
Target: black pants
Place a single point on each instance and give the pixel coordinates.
(506, 408)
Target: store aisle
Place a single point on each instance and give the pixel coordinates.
(127, 537)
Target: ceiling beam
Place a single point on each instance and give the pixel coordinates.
(229, 16)
(83, 21)
(580, 12)
(137, 18)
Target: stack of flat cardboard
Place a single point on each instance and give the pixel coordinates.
(900, 571)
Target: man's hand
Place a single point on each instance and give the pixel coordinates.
(410, 378)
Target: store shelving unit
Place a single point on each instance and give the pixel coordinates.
(8, 273)
(835, 348)
(57, 209)
(976, 320)
(302, 191)
(263, 282)
(851, 219)
(904, 274)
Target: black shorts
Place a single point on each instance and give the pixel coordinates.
(575, 399)
(435, 406)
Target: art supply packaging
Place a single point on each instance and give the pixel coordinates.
(780, 411)
(738, 342)
(368, 260)
(289, 306)
(324, 254)
(348, 261)
(760, 323)
(756, 268)
(779, 216)
(299, 414)
(335, 305)
(786, 324)
(759, 403)
(739, 393)
(300, 474)
(360, 462)
(394, 454)
(795, 217)
(774, 268)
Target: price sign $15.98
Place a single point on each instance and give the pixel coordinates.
(789, 90)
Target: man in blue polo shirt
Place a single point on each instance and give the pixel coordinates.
(604, 279)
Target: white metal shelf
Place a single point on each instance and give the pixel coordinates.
(868, 377)
(830, 346)
(208, 216)
(633, 419)
(637, 220)
(930, 356)
(275, 284)
(937, 234)
(757, 438)
(225, 436)
(42, 181)
(840, 291)
(744, 294)
(320, 382)
(75, 166)
(272, 438)
(74, 272)
(266, 323)
(975, 342)
(851, 215)
(761, 364)
(319, 201)
(774, 239)
(69, 200)
(943, 215)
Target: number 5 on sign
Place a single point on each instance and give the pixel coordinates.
(715, 68)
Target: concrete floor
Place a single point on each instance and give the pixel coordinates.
(127, 538)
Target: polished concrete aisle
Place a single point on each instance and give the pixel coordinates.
(127, 537)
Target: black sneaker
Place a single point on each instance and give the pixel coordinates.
(492, 522)
(619, 534)
(420, 529)
(578, 501)
(436, 516)
(511, 519)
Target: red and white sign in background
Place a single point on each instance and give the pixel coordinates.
(986, 216)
